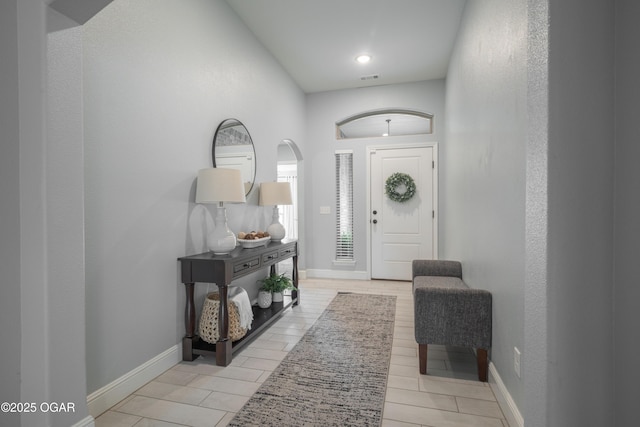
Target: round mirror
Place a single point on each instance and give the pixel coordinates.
(233, 148)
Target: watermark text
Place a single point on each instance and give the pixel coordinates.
(24, 407)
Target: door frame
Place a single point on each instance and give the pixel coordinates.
(400, 146)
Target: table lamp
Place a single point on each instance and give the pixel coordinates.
(219, 185)
(275, 193)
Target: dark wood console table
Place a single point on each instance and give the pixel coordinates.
(222, 270)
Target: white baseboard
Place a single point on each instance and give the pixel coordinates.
(508, 406)
(104, 398)
(88, 421)
(336, 274)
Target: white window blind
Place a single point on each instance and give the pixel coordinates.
(344, 205)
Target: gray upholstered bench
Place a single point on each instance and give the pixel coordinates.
(448, 312)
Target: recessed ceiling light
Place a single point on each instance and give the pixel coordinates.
(363, 59)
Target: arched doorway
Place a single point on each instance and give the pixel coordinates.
(289, 156)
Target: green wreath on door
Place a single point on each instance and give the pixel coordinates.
(398, 181)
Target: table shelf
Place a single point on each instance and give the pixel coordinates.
(262, 319)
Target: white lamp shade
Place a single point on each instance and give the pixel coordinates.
(275, 193)
(219, 185)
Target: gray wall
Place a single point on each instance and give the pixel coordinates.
(535, 365)
(159, 78)
(10, 324)
(580, 213)
(323, 110)
(65, 297)
(45, 342)
(483, 220)
(627, 214)
(42, 181)
(556, 147)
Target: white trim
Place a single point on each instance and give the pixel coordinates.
(508, 406)
(104, 398)
(344, 151)
(336, 274)
(344, 262)
(88, 421)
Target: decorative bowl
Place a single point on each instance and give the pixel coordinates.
(254, 243)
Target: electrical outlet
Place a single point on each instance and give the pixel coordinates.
(325, 210)
(516, 361)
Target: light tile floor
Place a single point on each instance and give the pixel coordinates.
(199, 393)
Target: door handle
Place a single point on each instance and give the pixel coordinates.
(375, 221)
(375, 212)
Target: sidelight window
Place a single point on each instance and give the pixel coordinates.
(344, 205)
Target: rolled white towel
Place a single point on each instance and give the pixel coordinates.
(241, 298)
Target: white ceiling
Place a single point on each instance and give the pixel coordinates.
(317, 41)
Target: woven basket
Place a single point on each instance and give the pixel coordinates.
(209, 320)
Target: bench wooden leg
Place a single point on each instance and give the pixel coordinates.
(483, 364)
(422, 353)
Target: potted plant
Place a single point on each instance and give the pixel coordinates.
(276, 284)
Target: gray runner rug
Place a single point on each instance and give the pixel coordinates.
(336, 375)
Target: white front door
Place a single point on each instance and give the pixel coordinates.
(402, 231)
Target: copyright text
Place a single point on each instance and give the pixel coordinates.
(24, 407)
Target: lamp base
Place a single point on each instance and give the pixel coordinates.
(221, 245)
(221, 240)
(276, 230)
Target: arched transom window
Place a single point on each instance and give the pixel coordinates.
(387, 122)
